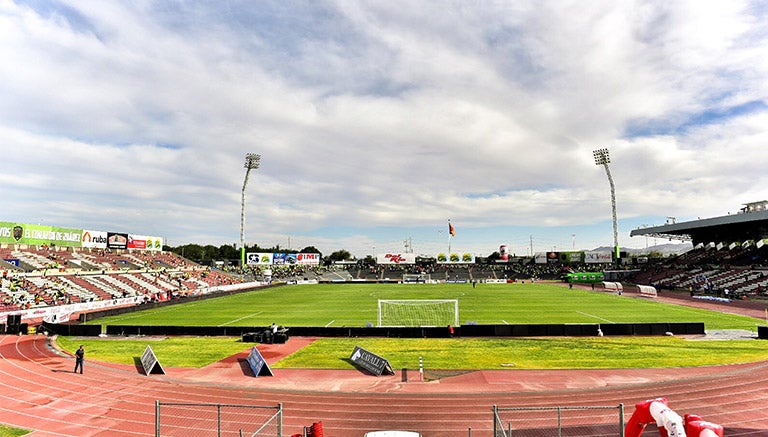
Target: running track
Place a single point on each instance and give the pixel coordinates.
(38, 391)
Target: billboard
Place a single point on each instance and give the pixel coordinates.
(117, 240)
(258, 258)
(455, 258)
(309, 259)
(39, 235)
(598, 257)
(396, 258)
(143, 242)
(94, 239)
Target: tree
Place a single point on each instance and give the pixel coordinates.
(311, 249)
(228, 251)
(340, 255)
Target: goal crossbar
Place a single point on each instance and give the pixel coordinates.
(418, 312)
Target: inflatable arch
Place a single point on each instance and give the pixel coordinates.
(670, 423)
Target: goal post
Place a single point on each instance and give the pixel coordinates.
(418, 312)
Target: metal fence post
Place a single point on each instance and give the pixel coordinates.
(157, 418)
(621, 420)
(218, 420)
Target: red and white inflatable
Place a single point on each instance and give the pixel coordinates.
(696, 427)
(670, 423)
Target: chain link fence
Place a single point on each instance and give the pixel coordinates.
(574, 421)
(217, 420)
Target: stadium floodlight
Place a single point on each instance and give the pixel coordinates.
(603, 158)
(252, 161)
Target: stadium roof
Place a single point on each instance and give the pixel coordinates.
(750, 223)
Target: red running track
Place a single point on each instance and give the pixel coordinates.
(38, 391)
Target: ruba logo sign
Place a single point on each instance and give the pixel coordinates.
(18, 232)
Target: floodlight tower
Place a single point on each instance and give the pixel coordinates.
(252, 161)
(603, 158)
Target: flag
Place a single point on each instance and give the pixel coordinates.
(451, 230)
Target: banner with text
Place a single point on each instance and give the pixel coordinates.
(94, 239)
(143, 242)
(598, 257)
(396, 258)
(39, 235)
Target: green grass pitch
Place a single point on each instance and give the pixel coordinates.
(342, 305)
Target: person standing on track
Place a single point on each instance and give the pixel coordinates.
(79, 357)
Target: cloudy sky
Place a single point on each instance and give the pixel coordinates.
(378, 121)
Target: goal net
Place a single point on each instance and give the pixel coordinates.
(418, 312)
(416, 278)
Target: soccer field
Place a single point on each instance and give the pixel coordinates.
(350, 305)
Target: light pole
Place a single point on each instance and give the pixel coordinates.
(251, 163)
(603, 158)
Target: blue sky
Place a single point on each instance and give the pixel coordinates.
(378, 122)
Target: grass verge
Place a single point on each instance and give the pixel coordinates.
(454, 353)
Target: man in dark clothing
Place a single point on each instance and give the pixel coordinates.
(79, 356)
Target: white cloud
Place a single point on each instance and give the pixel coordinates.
(377, 121)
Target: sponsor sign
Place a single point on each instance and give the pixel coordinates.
(38, 235)
(371, 362)
(262, 258)
(117, 240)
(143, 242)
(598, 257)
(279, 259)
(309, 259)
(571, 257)
(94, 239)
(455, 258)
(136, 242)
(258, 364)
(396, 258)
(150, 363)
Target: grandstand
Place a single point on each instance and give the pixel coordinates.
(728, 260)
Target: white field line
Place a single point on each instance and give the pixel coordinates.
(241, 318)
(595, 317)
(505, 322)
(329, 323)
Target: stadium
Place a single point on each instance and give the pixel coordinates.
(59, 283)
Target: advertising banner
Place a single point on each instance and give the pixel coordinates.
(598, 257)
(117, 240)
(279, 259)
(258, 258)
(371, 362)
(396, 258)
(258, 364)
(455, 258)
(309, 259)
(571, 257)
(143, 242)
(94, 239)
(39, 235)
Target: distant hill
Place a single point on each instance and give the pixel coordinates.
(664, 249)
